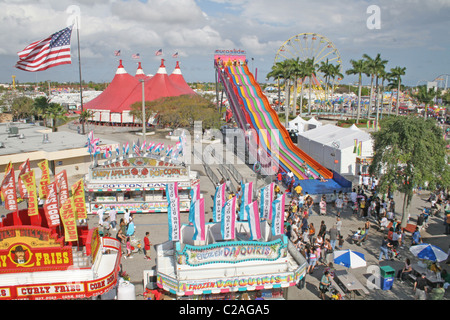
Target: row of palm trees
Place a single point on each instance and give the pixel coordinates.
(292, 71)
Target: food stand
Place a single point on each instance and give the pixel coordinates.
(36, 263)
(218, 269)
(137, 184)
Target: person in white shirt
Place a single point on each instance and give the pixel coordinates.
(112, 218)
(100, 213)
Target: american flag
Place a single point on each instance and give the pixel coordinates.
(158, 53)
(136, 56)
(49, 52)
(175, 55)
(137, 151)
(117, 53)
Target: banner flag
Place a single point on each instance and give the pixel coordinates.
(69, 220)
(45, 178)
(51, 207)
(171, 191)
(62, 184)
(24, 168)
(278, 215)
(30, 183)
(199, 220)
(8, 190)
(195, 195)
(79, 199)
(253, 220)
(228, 219)
(195, 192)
(247, 195)
(219, 202)
(173, 213)
(267, 194)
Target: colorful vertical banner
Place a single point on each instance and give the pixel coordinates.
(24, 168)
(219, 202)
(199, 220)
(171, 191)
(253, 220)
(266, 199)
(8, 190)
(51, 207)
(69, 220)
(355, 148)
(29, 181)
(278, 215)
(63, 185)
(228, 219)
(360, 149)
(195, 192)
(247, 195)
(45, 178)
(79, 199)
(173, 214)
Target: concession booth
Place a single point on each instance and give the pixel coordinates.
(47, 251)
(215, 268)
(37, 263)
(137, 184)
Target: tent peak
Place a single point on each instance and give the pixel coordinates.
(177, 69)
(162, 68)
(120, 68)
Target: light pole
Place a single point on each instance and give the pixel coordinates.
(144, 125)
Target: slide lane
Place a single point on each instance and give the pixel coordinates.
(253, 105)
(264, 117)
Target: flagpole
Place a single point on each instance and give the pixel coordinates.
(79, 69)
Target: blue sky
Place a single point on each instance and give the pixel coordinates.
(412, 34)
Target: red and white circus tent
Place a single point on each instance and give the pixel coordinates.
(113, 106)
(177, 78)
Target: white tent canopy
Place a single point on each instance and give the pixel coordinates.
(298, 123)
(328, 143)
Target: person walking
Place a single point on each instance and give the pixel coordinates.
(147, 245)
(112, 218)
(385, 245)
(333, 232)
(100, 213)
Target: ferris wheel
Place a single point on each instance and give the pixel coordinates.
(442, 81)
(307, 46)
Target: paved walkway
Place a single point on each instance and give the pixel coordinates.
(157, 225)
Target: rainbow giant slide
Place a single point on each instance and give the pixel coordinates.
(273, 136)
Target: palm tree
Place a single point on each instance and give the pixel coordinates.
(56, 112)
(283, 70)
(358, 67)
(41, 105)
(300, 72)
(277, 73)
(310, 70)
(326, 69)
(397, 73)
(335, 72)
(378, 67)
(370, 72)
(426, 96)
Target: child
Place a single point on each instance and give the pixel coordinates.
(128, 248)
(323, 206)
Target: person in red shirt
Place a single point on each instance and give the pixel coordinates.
(147, 245)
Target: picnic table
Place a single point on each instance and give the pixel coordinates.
(350, 284)
(418, 270)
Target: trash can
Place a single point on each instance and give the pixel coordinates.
(387, 275)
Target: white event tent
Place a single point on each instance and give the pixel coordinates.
(333, 147)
